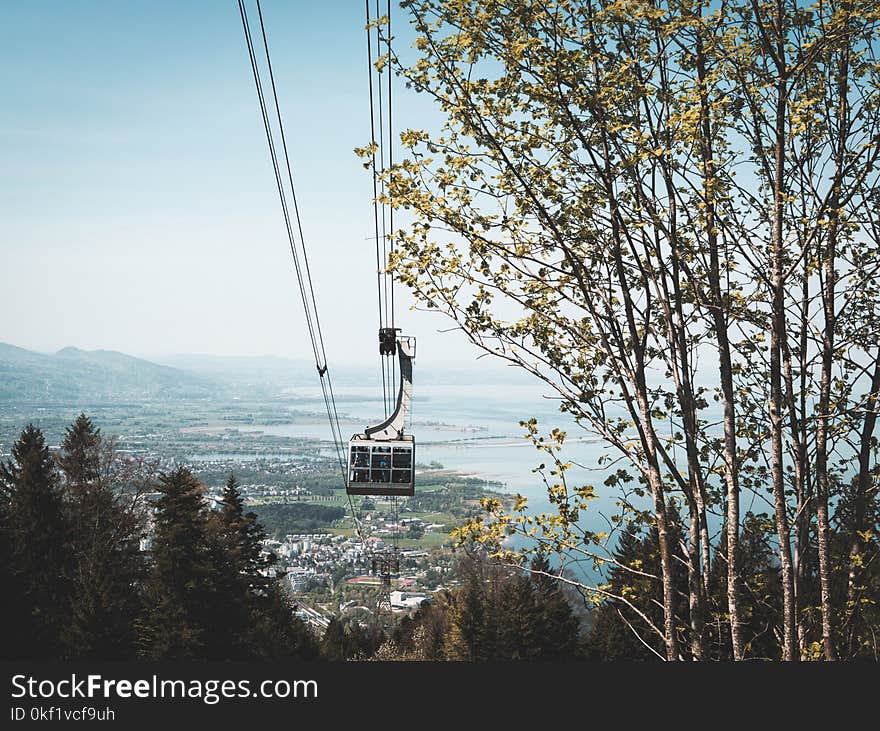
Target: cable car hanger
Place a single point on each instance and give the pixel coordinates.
(381, 461)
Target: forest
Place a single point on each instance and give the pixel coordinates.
(81, 584)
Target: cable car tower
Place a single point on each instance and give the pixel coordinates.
(380, 461)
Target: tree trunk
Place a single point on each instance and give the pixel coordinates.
(725, 366)
(802, 473)
(830, 314)
(801, 521)
(862, 484)
(777, 333)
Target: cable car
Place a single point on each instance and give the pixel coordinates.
(381, 461)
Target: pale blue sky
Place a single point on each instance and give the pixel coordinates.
(137, 204)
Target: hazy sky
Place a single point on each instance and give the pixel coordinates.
(137, 204)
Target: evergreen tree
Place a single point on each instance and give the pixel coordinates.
(242, 537)
(609, 637)
(421, 636)
(760, 594)
(254, 617)
(333, 643)
(181, 597)
(229, 550)
(619, 630)
(241, 578)
(514, 615)
(80, 458)
(34, 557)
(858, 580)
(557, 624)
(505, 614)
(106, 567)
(276, 634)
(469, 632)
(351, 640)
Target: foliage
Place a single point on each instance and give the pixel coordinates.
(103, 545)
(495, 614)
(281, 520)
(667, 214)
(34, 560)
(78, 586)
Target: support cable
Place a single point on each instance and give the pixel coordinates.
(376, 206)
(303, 273)
(390, 208)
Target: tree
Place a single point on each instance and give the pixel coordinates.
(80, 458)
(254, 618)
(557, 624)
(420, 637)
(275, 634)
(617, 629)
(500, 613)
(470, 632)
(181, 597)
(34, 528)
(106, 566)
(234, 543)
(242, 538)
(761, 594)
(333, 644)
(624, 191)
(350, 640)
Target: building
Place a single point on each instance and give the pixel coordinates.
(407, 600)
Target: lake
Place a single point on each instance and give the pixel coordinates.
(472, 429)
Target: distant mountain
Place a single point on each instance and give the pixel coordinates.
(254, 375)
(274, 374)
(74, 375)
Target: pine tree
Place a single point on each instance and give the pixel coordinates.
(106, 567)
(34, 557)
(515, 618)
(609, 637)
(507, 614)
(276, 634)
(351, 639)
(558, 627)
(618, 629)
(333, 643)
(180, 597)
(761, 594)
(240, 575)
(422, 636)
(243, 536)
(81, 454)
(469, 636)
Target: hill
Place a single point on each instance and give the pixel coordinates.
(74, 375)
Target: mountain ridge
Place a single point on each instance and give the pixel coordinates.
(75, 375)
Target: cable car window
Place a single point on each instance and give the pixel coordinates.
(360, 456)
(402, 458)
(381, 457)
(401, 476)
(380, 463)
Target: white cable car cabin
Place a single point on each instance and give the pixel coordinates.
(381, 461)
